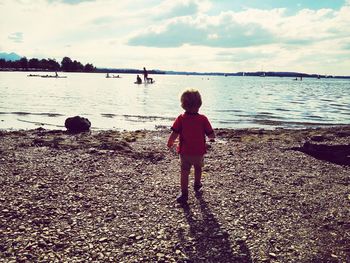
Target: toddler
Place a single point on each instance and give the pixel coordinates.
(192, 128)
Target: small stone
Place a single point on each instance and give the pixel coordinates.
(103, 239)
(42, 243)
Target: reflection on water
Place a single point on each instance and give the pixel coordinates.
(229, 102)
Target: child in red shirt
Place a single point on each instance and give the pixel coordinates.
(192, 128)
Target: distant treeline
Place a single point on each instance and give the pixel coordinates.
(34, 64)
(289, 74)
(258, 74)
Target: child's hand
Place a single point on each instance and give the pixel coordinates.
(211, 137)
(173, 148)
(208, 145)
(172, 139)
(170, 144)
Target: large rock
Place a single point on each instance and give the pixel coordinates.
(339, 154)
(77, 124)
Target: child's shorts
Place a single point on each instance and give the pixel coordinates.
(188, 160)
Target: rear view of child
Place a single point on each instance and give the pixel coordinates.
(192, 128)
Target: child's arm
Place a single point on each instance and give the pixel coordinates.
(209, 130)
(172, 139)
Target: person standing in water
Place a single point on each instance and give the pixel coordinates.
(145, 74)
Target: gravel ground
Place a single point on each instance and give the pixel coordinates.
(109, 196)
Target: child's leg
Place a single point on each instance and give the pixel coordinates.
(185, 172)
(198, 164)
(197, 174)
(183, 196)
(184, 181)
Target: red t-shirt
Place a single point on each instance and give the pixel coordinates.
(192, 128)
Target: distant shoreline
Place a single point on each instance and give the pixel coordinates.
(14, 62)
(160, 72)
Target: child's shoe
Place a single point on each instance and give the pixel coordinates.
(197, 187)
(182, 198)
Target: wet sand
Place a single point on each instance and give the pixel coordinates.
(109, 196)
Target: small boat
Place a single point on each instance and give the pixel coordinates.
(33, 75)
(150, 81)
(146, 83)
(112, 77)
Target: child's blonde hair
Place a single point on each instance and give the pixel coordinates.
(191, 100)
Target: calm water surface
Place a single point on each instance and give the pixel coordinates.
(118, 103)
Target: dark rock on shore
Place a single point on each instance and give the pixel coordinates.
(77, 124)
(339, 154)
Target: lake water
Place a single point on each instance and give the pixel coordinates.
(118, 103)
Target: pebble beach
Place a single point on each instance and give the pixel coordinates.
(109, 196)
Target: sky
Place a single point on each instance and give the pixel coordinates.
(311, 36)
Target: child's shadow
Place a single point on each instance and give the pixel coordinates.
(207, 241)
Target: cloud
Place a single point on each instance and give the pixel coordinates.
(171, 9)
(346, 46)
(248, 28)
(70, 2)
(244, 55)
(186, 9)
(251, 27)
(222, 31)
(16, 37)
(103, 20)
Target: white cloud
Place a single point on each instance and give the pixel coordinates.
(177, 8)
(16, 37)
(71, 2)
(249, 27)
(194, 31)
